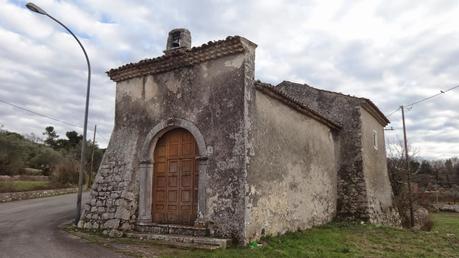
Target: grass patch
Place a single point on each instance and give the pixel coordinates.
(332, 240)
(23, 185)
(355, 240)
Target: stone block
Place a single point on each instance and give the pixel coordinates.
(126, 226)
(114, 195)
(107, 216)
(87, 225)
(95, 225)
(111, 224)
(122, 213)
(115, 233)
(128, 196)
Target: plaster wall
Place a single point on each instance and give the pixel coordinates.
(291, 176)
(345, 110)
(379, 190)
(209, 95)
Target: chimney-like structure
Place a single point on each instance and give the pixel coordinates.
(178, 40)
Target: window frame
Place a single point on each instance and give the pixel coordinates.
(375, 139)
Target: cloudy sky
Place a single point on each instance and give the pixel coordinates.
(393, 52)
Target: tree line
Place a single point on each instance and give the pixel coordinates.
(427, 176)
(49, 155)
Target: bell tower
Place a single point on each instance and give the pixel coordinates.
(178, 40)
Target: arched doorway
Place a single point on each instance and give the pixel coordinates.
(175, 179)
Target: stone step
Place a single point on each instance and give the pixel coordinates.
(171, 229)
(181, 241)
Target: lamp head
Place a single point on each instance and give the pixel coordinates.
(34, 8)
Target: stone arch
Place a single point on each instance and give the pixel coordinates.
(146, 168)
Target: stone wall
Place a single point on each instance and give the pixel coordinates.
(291, 176)
(23, 177)
(264, 168)
(16, 196)
(208, 95)
(379, 190)
(112, 204)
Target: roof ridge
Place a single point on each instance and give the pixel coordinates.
(364, 100)
(322, 90)
(180, 58)
(290, 100)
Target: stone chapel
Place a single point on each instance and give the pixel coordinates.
(200, 148)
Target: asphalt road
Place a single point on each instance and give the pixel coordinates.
(30, 228)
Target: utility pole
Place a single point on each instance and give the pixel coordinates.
(408, 172)
(92, 156)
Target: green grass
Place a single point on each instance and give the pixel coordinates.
(21, 186)
(332, 240)
(354, 240)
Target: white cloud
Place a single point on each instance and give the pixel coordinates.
(393, 52)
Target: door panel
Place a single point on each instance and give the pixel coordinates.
(175, 179)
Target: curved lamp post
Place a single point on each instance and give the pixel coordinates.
(36, 9)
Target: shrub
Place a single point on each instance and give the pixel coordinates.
(428, 224)
(65, 173)
(45, 159)
(12, 153)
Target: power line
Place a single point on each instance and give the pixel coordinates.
(46, 116)
(39, 114)
(433, 96)
(409, 106)
(391, 113)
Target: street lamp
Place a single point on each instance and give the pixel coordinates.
(36, 9)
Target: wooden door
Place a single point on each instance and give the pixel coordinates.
(175, 181)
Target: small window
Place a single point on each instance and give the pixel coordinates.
(375, 139)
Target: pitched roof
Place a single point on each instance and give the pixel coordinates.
(365, 103)
(273, 92)
(181, 58)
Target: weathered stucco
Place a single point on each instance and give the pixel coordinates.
(270, 160)
(345, 110)
(209, 95)
(291, 177)
(379, 190)
(358, 191)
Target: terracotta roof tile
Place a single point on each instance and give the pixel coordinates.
(294, 103)
(364, 102)
(180, 58)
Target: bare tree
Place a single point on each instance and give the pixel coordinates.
(397, 170)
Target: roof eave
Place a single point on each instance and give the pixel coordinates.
(168, 62)
(269, 90)
(371, 108)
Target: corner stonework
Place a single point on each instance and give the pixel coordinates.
(112, 206)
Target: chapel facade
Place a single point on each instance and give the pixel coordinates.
(200, 147)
